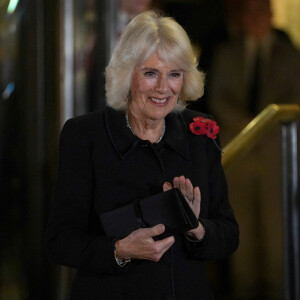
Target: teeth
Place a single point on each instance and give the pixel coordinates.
(158, 100)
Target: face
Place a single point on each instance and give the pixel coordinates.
(155, 88)
(135, 7)
(256, 18)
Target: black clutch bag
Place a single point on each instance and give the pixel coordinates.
(169, 208)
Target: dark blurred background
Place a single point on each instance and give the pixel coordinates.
(52, 59)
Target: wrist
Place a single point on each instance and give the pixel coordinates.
(196, 234)
(119, 258)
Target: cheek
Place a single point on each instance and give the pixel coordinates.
(176, 86)
(144, 85)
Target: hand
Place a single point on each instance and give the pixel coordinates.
(193, 198)
(140, 244)
(191, 194)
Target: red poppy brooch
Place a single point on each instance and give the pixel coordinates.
(202, 126)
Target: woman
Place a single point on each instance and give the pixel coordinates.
(144, 143)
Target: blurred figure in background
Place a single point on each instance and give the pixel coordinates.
(257, 66)
(128, 9)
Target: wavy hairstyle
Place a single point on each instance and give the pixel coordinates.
(146, 33)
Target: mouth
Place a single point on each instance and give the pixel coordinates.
(159, 101)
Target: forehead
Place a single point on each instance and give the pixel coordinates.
(154, 61)
(256, 7)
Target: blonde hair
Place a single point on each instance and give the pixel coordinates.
(146, 33)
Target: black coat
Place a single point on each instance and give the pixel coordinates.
(103, 166)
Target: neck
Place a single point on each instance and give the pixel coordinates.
(152, 130)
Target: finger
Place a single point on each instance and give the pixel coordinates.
(164, 244)
(148, 232)
(167, 186)
(197, 194)
(160, 247)
(155, 230)
(196, 204)
(182, 185)
(189, 190)
(176, 182)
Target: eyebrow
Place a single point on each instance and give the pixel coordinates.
(156, 70)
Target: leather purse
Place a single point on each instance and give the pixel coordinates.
(169, 208)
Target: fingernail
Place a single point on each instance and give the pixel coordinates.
(168, 184)
(160, 226)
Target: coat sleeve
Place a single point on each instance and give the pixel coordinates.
(221, 228)
(69, 239)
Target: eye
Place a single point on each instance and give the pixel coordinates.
(175, 74)
(149, 74)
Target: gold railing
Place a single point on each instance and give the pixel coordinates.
(287, 116)
(258, 127)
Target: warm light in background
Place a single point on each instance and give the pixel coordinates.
(287, 17)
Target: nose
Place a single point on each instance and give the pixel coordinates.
(162, 84)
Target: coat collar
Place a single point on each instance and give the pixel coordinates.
(124, 141)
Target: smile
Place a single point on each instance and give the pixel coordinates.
(159, 101)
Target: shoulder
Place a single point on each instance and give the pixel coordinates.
(83, 128)
(283, 43)
(88, 120)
